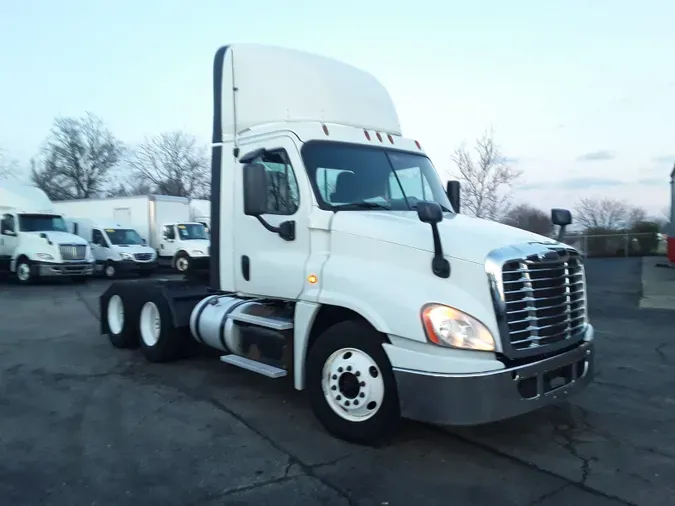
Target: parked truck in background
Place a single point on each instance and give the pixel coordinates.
(34, 240)
(116, 248)
(671, 226)
(378, 298)
(200, 210)
(164, 222)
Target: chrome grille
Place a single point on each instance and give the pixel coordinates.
(143, 257)
(542, 300)
(73, 251)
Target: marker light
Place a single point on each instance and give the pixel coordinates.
(379, 136)
(325, 129)
(447, 326)
(366, 134)
(417, 143)
(312, 279)
(391, 139)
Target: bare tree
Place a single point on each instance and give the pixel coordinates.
(606, 213)
(529, 218)
(172, 164)
(486, 178)
(8, 167)
(77, 158)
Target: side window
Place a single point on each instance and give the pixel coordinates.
(413, 182)
(97, 238)
(7, 223)
(283, 196)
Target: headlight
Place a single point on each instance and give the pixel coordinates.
(44, 256)
(196, 252)
(127, 256)
(448, 326)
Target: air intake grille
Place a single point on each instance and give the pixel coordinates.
(73, 251)
(545, 298)
(143, 257)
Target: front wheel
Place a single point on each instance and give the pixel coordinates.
(351, 385)
(24, 272)
(182, 262)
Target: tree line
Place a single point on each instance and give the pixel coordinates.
(81, 158)
(488, 180)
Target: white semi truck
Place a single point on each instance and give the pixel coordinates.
(116, 248)
(379, 299)
(34, 240)
(164, 222)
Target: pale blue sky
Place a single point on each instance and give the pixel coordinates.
(581, 94)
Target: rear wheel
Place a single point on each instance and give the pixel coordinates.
(121, 329)
(160, 341)
(351, 385)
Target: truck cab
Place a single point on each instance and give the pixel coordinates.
(34, 240)
(339, 259)
(184, 242)
(116, 248)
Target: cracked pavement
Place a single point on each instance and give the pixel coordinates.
(83, 423)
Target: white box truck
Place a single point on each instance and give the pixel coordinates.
(164, 222)
(200, 210)
(117, 248)
(379, 299)
(34, 240)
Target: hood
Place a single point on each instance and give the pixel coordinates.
(61, 237)
(202, 244)
(462, 237)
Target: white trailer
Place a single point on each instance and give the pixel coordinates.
(379, 299)
(116, 248)
(164, 222)
(34, 240)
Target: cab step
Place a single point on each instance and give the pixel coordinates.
(273, 321)
(252, 365)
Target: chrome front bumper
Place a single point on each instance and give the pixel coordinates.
(473, 399)
(46, 269)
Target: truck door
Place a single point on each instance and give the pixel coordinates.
(169, 241)
(264, 263)
(99, 246)
(9, 240)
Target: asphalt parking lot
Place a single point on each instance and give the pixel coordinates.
(82, 423)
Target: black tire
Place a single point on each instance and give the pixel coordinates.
(109, 266)
(22, 264)
(171, 342)
(182, 257)
(360, 336)
(127, 336)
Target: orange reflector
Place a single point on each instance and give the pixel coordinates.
(325, 129)
(418, 145)
(312, 279)
(366, 134)
(379, 136)
(391, 139)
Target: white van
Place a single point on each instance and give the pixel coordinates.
(116, 248)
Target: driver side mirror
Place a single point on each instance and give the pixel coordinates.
(452, 192)
(429, 212)
(561, 217)
(8, 231)
(143, 241)
(255, 189)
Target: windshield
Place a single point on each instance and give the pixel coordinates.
(123, 236)
(188, 231)
(354, 177)
(41, 223)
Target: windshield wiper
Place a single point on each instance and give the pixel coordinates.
(360, 205)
